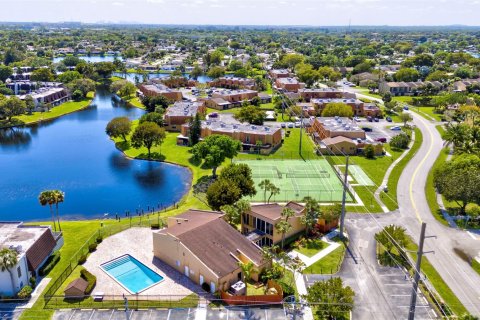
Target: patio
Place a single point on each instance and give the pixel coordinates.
(136, 242)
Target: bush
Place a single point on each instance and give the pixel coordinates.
(90, 278)
(275, 272)
(155, 226)
(92, 247)
(369, 152)
(206, 287)
(99, 239)
(77, 95)
(25, 293)
(400, 141)
(472, 210)
(49, 264)
(82, 259)
(33, 282)
(288, 290)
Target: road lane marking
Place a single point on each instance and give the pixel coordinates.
(420, 118)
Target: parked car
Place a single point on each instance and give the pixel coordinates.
(396, 128)
(376, 119)
(382, 140)
(290, 125)
(213, 115)
(367, 129)
(369, 119)
(298, 124)
(389, 119)
(405, 108)
(283, 125)
(356, 119)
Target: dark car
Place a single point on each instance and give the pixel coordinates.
(213, 115)
(369, 119)
(367, 129)
(382, 140)
(388, 119)
(376, 119)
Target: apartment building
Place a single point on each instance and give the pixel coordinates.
(182, 112)
(159, 89)
(226, 99)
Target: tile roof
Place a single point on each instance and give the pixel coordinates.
(40, 250)
(79, 284)
(273, 211)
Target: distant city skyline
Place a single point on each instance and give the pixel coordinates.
(247, 12)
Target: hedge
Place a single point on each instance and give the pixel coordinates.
(90, 278)
(25, 293)
(49, 264)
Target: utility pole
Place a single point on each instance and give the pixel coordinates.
(416, 278)
(344, 199)
(301, 127)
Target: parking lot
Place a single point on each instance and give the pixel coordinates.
(380, 129)
(174, 314)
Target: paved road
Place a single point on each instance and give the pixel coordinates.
(459, 276)
(380, 292)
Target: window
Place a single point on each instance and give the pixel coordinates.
(19, 271)
(178, 263)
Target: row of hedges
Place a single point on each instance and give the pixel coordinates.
(49, 264)
(90, 278)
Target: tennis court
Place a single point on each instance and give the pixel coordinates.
(360, 176)
(297, 179)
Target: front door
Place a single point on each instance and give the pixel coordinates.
(187, 271)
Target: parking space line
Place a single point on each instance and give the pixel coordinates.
(73, 313)
(111, 315)
(91, 315)
(398, 284)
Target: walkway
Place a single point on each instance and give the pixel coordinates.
(319, 255)
(387, 175)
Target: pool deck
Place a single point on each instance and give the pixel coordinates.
(138, 243)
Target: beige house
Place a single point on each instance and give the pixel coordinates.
(259, 223)
(206, 249)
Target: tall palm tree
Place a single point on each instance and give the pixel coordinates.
(47, 197)
(59, 197)
(8, 260)
(284, 226)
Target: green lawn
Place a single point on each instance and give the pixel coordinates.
(430, 188)
(427, 112)
(390, 200)
(366, 91)
(329, 264)
(136, 102)
(312, 247)
(63, 109)
(252, 291)
(476, 265)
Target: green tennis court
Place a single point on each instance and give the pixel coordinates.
(297, 179)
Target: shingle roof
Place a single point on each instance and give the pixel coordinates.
(214, 242)
(273, 211)
(40, 250)
(79, 284)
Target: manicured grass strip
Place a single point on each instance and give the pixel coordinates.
(136, 103)
(55, 112)
(427, 112)
(391, 200)
(312, 247)
(437, 281)
(476, 265)
(430, 188)
(329, 264)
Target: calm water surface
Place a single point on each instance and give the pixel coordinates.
(74, 154)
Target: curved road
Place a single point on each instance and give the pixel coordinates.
(414, 209)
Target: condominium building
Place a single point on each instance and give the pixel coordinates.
(182, 112)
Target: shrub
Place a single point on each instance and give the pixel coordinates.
(90, 278)
(92, 247)
(369, 152)
(275, 272)
(400, 141)
(33, 282)
(206, 287)
(77, 95)
(25, 293)
(473, 210)
(99, 239)
(155, 226)
(49, 264)
(288, 290)
(82, 259)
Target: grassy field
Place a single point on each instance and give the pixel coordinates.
(427, 112)
(135, 101)
(55, 112)
(390, 200)
(329, 264)
(366, 91)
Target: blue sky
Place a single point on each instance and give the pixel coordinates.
(258, 12)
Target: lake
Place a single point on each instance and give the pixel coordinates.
(73, 153)
(92, 59)
(131, 76)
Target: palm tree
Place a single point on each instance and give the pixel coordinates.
(265, 185)
(312, 211)
(59, 197)
(47, 197)
(247, 269)
(283, 227)
(8, 260)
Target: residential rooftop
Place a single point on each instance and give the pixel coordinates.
(183, 108)
(339, 124)
(238, 127)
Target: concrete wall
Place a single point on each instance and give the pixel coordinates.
(6, 286)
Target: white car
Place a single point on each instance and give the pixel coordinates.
(290, 125)
(298, 124)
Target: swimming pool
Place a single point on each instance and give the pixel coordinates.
(131, 273)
